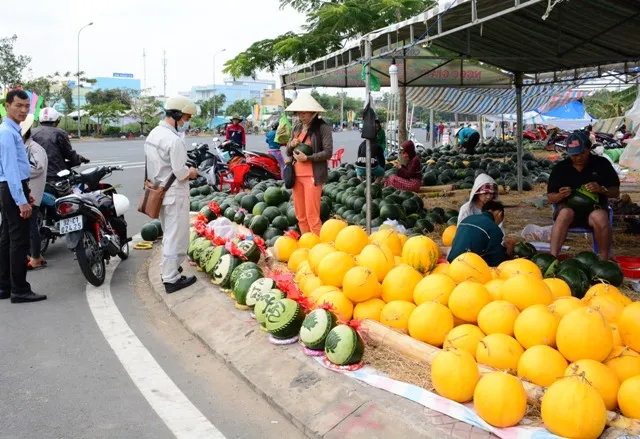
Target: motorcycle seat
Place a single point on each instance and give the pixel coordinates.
(260, 154)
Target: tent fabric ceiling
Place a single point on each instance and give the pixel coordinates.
(507, 34)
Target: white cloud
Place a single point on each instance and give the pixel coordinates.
(190, 31)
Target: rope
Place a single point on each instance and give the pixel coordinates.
(552, 4)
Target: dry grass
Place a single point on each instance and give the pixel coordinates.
(398, 367)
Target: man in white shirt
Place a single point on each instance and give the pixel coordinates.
(166, 155)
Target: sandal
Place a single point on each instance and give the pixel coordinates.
(143, 245)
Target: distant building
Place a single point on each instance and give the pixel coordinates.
(117, 81)
(234, 90)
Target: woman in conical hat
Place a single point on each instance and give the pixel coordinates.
(310, 147)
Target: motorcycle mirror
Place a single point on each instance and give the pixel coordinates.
(63, 173)
(215, 139)
(194, 144)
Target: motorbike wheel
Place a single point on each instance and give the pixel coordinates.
(124, 252)
(91, 259)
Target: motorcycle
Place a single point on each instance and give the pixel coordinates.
(263, 166)
(94, 223)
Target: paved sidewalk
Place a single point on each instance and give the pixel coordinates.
(321, 403)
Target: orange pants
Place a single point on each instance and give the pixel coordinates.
(306, 200)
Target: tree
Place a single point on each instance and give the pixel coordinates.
(55, 87)
(105, 113)
(207, 107)
(124, 96)
(145, 109)
(11, 65)
(331, 104)
(241, 107)
(605, 104)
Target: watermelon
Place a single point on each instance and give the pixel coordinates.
(149, 232)
(230, 213)
(524, 250)
(271, 213)
(280, 222)
(259, 224)
(547, 263)
(244, 266)
(424, 226)
(247, 220)
(257, 289)
(243, 283)
(284, 319)
(158, 224)
(316, 327)
(274, 196)
(195, 244)
(453, 221)
(304, 148)
(271, 233)
(390, 211)
(248, 202)
(208, 214)
(572, 263)
(214, 257)
(194, 192)
(291, 217)
(204, 190)
(264, 303)
(607, 271)
(204, 256)
(250, 250)
(343, 346)
(587, 258)
(577, 280)
(259, 208)
(222, 271)
(202, 245)
(583, 202)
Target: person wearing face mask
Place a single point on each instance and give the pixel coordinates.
(484, 189)
(481, 234)
(166, 163)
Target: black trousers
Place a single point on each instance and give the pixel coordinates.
(14, 245)
(470, 144)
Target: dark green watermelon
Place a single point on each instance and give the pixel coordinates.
(390, 211)
(238, 218)
(577, 280)
(259, 224)
(272, 232)
(284, 319)
(273, 196)
(259, 208)
(208, 214)
(280, 222)
(572, 263)
(583, 202)
(587, 258)
(546, 262)
(271, 213)
(607, 271)
(149, 232)
(291, 217)
(524, 250)
(424, 225)
(250, 250)
(248, 202)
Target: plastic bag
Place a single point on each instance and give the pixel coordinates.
(223, 228)
(283, 134)
(397, 226)
(532, 232)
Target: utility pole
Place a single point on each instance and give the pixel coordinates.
(164, 69)
(144, 69)
(341, 109)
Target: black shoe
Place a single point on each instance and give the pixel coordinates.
(27, 297)
(182, 283)
(5, 295)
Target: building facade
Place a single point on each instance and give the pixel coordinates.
(234, 90)
(117, 81)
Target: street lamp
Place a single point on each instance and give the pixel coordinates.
(78, 84)
(214, 87)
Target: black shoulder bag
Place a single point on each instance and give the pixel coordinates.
(289, 174)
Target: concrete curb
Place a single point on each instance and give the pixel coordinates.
(319, 402)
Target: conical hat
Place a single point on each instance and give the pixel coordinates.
(305, 102)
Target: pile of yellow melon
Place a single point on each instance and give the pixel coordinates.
(586, 351)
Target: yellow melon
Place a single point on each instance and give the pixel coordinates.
(498, 317)
(436, 287)
(403, 239)
(430, 322)
(360, 284)
(369, 309)
(303, 270)
(442, 268)
(330, 229)
(584, 333)
(564, 305)
(421, 253)
(467, 300)
(454, 374)
(495, 273)
(352, 240)
(308, 240)
(390, 238)
(400, 283)
(494, 287)
(536, 325)
(558, 287)
(617, 338)
(500, 399)
(317, 253)
(624, 362)
(541, 365)
(377, 258)
(316, 294)
(573, 408)
(499, 351)
(448, 235)
(284, 248)
(629, 398)
(340, 304)
(525, 290)
(465, 337)
(610, 308)
(629, 326)
(519, 266)
(602, 378)
(310, 284)
(297, 257)
(470, 267)
(334, 266)
(605, 289)
(396, 314)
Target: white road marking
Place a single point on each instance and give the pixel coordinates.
(180, 415)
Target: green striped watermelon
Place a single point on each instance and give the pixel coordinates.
(264, 303)
(202, 246)
(284, 319)
(214, 257)
(344, 346)
(204, 256)
(194, 245)
(257, 289)
(223, 270)
(316, 327)
(250, 250)
(243, 283)
(243, 267)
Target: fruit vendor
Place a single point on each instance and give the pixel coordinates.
(236, 132)
(481, 234)
(484, 189)
(468, 138)
(577, 185)
(409, 175)
(377, 160)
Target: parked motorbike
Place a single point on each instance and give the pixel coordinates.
(94, 223)
(263, 166)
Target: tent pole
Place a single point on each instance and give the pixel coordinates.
(432, 118)
(519, 126)
(367, 56)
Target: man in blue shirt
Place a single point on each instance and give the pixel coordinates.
(480, 234)
(15, 203)
(468, 138)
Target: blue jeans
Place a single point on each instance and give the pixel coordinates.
(376, 172)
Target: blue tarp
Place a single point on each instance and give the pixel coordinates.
(571, 110)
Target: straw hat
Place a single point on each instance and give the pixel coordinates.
(27, 124)
(305, 102)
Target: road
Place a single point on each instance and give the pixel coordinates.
(64, 377)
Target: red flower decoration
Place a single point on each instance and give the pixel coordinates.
(357, 326)
(260, 243)
(219, 240)
(292, 234)
(201, 217)
(200, 227)
(328, 307)
(213, 207)
(210, 234)
(235, 251)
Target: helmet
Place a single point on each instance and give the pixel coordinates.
(180, 104)
(191, 109)
(49, 114)
(120, 203)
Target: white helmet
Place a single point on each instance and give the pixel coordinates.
(120, 203)
(49, 114)
(180, 104)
